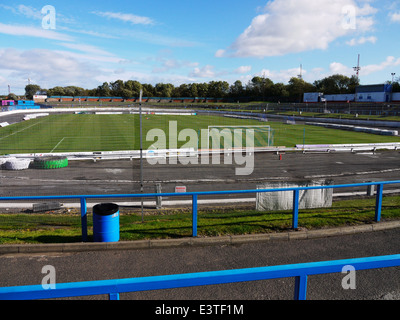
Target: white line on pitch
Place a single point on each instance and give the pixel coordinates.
(57, 145)
(21, 130)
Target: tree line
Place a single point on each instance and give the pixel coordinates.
(257, 89)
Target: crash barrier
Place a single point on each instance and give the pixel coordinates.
(50, 162)
(359, 147)
(191, 152)
(377, 131)
(195, 195)
(24, 163)
(113, 288)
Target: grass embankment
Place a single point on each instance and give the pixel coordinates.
(174, 223)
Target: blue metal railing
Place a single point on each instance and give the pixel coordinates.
(113, 288)
(296, 192)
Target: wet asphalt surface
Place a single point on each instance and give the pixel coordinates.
(123, 176)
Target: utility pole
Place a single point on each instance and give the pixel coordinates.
(358, 68)
(301, 72)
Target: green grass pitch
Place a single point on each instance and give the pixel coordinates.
(89, 133)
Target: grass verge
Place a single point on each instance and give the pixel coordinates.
(177, 223)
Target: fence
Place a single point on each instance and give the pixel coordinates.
(195, 195)
(113, 288)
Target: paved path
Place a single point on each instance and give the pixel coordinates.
(211, 254)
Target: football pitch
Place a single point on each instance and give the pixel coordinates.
(119, 132)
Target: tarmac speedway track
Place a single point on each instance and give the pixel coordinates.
(123, 176)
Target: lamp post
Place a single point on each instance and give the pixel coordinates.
(393, 74)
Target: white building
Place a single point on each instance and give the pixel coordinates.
(368, 93)
(374, 93)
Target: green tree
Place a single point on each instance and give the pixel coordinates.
(12, 96)
(279, 91)
(182, 91)
(104, 90)
(297, 87)
(56, 91)
(218, 89)
(134, 86)
(30, 90)
(202, 90)
(236, 90)
(117, 88)
(74, 91)
(193, 89)
(260, 87)
(337, 84)
(126, 93)
(148, 90)
(353, 83)
(164, 89)
(92, 92)
(396, 85)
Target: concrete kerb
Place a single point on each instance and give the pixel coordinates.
(194, 242)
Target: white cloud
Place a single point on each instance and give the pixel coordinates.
(48, 68)
(282, 75)
(126, 17)
(86, 57)
(110, 75)
(243, 69)
(35, 14)
(220, 53)
(372, 68)
(88, 32)
(21, 9)
(395, 16)
(173, 64)
(204, 72)
(16, 30)
(291, 26)
(86, 48)
(29, 12)
(362, 40)
(339, 68)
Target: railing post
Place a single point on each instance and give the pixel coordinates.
(114, 296)
(84, 219)
(300, 288)
(378, 205)
(194, 213)
(295, 208)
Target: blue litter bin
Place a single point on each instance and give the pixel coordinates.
(106, 222)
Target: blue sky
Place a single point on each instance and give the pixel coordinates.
(186, 41)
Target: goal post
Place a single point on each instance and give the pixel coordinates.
(229, 137)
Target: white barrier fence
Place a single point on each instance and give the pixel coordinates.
(190, 152)
(349, 147)
(377, 131)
